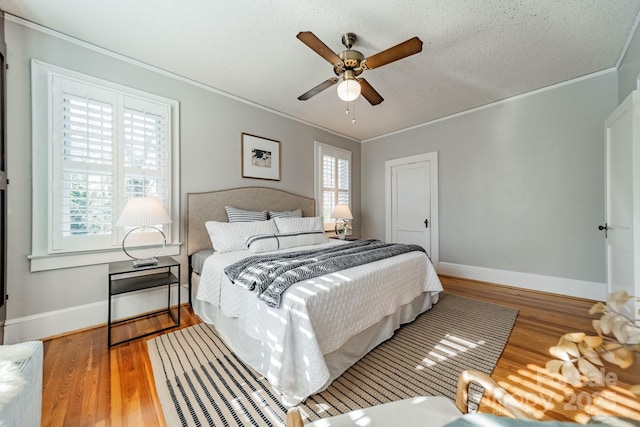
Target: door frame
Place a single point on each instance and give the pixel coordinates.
(431, 157)
(630, 107)
(4, 181)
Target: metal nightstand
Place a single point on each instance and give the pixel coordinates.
(132, 281)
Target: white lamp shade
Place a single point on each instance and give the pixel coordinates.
(342, 212)
(143, 211)
(348, 90)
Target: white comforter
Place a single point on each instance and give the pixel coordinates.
(317, 316)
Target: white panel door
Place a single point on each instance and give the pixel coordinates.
(622, 227)
(411, 198)
(411, 204)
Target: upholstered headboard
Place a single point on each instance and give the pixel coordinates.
(209, 206)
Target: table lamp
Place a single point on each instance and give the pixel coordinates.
(143, 212)
(342, 213)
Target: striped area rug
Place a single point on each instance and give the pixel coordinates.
(201, 382)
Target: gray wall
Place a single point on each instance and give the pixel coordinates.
(629, 70)
(210, 128)
(521, 183)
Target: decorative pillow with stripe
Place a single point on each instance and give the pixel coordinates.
(271, 242)
(286, 214)
(231, 236)
(297, 225)
(241, 215)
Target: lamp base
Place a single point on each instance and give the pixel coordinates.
(138, 263)
(341, 228)
(145, 262)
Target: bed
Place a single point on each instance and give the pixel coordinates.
(324, 324)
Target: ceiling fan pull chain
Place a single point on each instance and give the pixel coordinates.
(353, 118)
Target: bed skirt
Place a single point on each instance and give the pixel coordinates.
(257, 355)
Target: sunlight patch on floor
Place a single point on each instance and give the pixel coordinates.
(544, 393)
(448, 347)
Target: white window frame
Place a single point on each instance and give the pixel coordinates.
(321, 149)
(44, 256)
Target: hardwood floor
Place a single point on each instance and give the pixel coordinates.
(542, 319)
(86, 384)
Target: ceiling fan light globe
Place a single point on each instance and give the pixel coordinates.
(348, 90)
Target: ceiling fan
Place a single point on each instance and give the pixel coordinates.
(349, 64)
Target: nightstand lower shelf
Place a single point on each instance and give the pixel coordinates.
(124, 278)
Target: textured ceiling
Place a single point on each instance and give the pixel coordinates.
(475, 51)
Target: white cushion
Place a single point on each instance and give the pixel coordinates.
(489, 420)
(25, 409)
(231, 236)
(241, 215)
(271, 242)
(297, 225)
(432, 411)
(286, 214)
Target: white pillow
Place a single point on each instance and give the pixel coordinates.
(297, 225)
(231, 236)
(271, 242)
(241, 215)
(286, 214)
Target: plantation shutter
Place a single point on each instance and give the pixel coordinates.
(87, 158)
(144, 160)
(344, 182)
(107, 148)
(335, 179)
(328, 185)
(83, 143)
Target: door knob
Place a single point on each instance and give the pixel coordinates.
(605, 228)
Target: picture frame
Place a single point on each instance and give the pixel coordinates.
(260, 157)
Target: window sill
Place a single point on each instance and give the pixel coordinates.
(81, 259)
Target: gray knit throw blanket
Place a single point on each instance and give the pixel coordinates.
(271, 275)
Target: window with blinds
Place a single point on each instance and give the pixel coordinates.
(333, 180)
(86, 160)
(107, 146)
(144, 160)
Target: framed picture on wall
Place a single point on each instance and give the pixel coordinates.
(260, 157)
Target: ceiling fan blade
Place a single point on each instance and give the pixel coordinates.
(369, 92)
(316, 90)
(310, 39)
(399, 51)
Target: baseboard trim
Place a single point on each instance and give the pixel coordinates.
(45, 325)
(535, 282)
